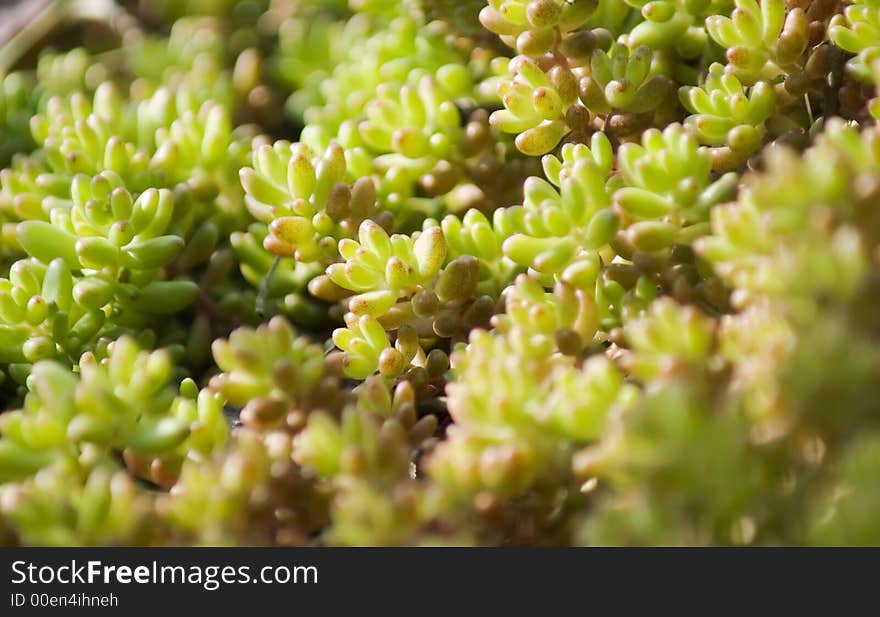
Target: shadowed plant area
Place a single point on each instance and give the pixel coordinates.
(545, 272)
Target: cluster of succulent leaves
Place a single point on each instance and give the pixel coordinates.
(429, 272)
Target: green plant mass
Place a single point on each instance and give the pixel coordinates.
(516, 272)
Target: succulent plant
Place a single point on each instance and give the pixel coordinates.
(534, 272)
(535, 104)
